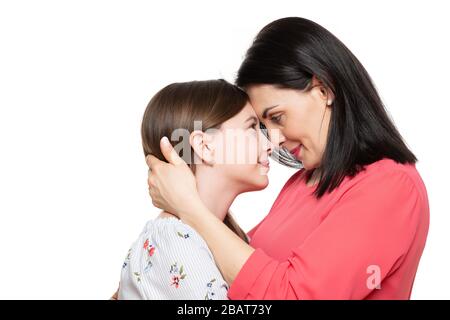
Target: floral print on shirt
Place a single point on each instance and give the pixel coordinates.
(210, 291)
(150, 251)
(177, 275)
(127, 259)
(183, 255)
(183, 235)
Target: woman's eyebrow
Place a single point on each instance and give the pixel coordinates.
(264, 114)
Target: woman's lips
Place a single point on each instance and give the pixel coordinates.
(296, 150)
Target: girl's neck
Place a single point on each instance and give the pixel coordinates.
(214, 193)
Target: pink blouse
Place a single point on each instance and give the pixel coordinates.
(363, 240)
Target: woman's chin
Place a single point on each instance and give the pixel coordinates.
(308, 165)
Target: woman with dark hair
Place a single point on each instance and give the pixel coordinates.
(352, 223)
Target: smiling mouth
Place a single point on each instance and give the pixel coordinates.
(264, 163)
(295, 150)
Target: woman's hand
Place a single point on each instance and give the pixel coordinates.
(172, 185)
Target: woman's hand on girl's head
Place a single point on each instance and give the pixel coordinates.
(172, 185)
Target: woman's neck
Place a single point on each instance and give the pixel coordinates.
(314, 178)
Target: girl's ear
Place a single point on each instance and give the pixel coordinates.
(203, 147)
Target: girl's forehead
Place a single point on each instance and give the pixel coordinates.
(249, 110)
(241, 119)
(246, 113)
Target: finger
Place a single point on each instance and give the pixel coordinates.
(147, 159)
(150, 182)
(152, 161)
(169, 152)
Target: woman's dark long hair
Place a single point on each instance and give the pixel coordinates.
(287, 53)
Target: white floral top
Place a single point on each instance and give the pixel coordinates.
(170, 261)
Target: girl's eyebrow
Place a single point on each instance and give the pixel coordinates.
(252, 118)
(264, 114)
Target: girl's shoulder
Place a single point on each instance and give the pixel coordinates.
(168, 228)
(170, 260)
(171, 234)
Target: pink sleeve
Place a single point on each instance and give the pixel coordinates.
(372, 226)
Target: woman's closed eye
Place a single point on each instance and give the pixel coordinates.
(276, 119)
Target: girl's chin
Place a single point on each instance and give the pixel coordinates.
(261, 183)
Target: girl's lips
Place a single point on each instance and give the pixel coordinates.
(265, 163)
(296, 150)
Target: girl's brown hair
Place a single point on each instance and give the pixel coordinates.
(178, 105)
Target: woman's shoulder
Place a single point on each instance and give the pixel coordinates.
(388, 165)
(388, 177)
(390, 169)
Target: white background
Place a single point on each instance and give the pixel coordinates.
(76, 76)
